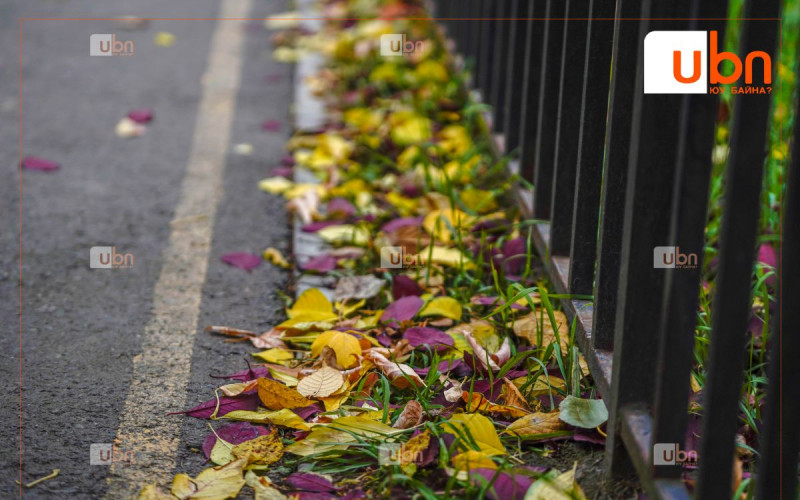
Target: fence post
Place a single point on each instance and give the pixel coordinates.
(568, 124)
(534, 45)
(548, 109)
(732, 300)
(687, 232)
(654, 139)
(501, 56)
(594, 109)
(515, 71)
(780, 438)
(615, 172)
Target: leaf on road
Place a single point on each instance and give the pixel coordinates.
(284, 418)
(275, 396)
(274, 256)
(216, 483)
(586, 413)
(242, 260)
(39, 163)
(321, 384)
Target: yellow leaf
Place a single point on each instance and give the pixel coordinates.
(334, 402)
(276, 257)
(275, 355)
(477, 402)
(263, 450)
(346, 347)
(442, 223)
(473, 459)
(408, 127)
(445, 256)
(562, 487)
(455, 139)
(262, 487)
(311, 308)
(164, 39)
(221, 453)
(153, 492)
(322, 383)
(216, 483)
(344, 234)
(474, 427)
(284, 417)
(478, 200)
(442, 306)
(275, 185)
(536, 424)
(543, 385)
(528, 327)
(277, 396)
(339, 434)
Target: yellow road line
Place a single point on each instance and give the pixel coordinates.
(161, 371)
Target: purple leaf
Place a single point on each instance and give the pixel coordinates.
(768, 256)
(309, 411)
(235, 433)
(322, 224)
(401, 222)
(242, 260)
(307, 481)
(247, 375)
(340, 207)
(403, 286)
(311, 495)
(384, 339)
(142, 115)
(456, 367)
(282, 171)
(402, 309)
(320, 263)
(426, 336)
(355, 494)
(39, 163)
(247, 401)
(271, 126)
(506, 486)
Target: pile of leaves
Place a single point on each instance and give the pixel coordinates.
(439, 362)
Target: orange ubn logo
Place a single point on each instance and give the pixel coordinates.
(686, 62)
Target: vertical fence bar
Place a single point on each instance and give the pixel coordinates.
(548, 109)
(568, 124)
(594, 108)
(732, 299)
(687, 232)
(473, 35)
(780, 442)
(501, 57)
(515, 71)
(654, 139)
(615, 172)
(487, 28)
(537, 9)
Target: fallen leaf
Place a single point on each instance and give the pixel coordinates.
(474, 428)
(358, 287)
(552, 487)
(164, 39)
(339, 434)
(442, 306)
(271, 126)
(284, 418)
(402, 376)
(233, 434)
(344, 234)
(275, 185)
(142, 115)
(274, 256)
(242, 260)
(410, 416)
(153, 492)
(346, 347)
(214, 483)
(402, 309)
(127, 128)
(425, 336)
(307, 481)
(586, 413)
(276, 355)
(528, 327)
(263, 450)
(536, 424)
(275, 396)
(321, 384)
(39, 163)
(473, 459)
(478, 402)
(262, 487)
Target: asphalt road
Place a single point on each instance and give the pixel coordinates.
(81, 328)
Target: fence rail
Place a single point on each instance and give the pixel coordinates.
(617, 172)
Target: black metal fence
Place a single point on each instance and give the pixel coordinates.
(617, 172)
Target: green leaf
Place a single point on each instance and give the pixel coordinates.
(586, 413)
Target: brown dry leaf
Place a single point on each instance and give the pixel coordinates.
(276, 396)
(263, 450)
(401, 376)
(512, 396)
(410, 416)
(411, 238)
(321, 384)
(477, 402)
(536, 424)
(269, 340)
(527, 327)
(238, 388)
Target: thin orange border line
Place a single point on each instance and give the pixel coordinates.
(19, 152)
